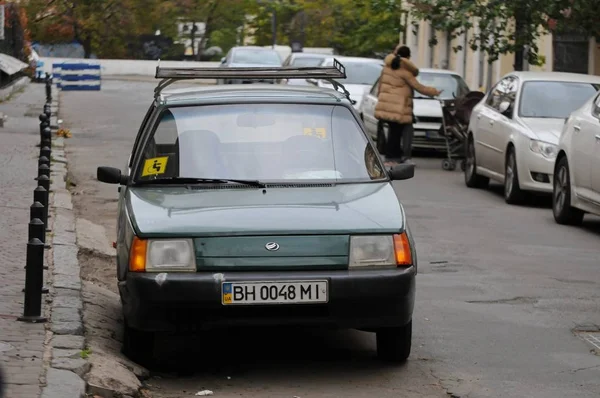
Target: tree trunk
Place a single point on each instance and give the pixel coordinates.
(87, 48)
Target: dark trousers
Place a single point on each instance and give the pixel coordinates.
(399, 140)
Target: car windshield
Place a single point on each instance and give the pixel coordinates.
(452, 85)
(264, 142)
(259, 57)
(554, 100)
(306, 61)
(360, 72)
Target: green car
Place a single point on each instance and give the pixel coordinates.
(260, 205)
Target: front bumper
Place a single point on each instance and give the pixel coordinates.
(360, 299)
(536, 173)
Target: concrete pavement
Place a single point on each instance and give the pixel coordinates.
(21, 344)
(501, 293)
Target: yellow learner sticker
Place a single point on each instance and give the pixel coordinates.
(320, 132)
(155, 166)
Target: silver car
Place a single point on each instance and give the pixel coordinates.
(249, 57)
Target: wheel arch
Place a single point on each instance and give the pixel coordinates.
(561, 154)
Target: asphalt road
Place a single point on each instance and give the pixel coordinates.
(500, 292)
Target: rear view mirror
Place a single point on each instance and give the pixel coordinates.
(111, 175)
(504, 107)
(402, 172)
(255, 120)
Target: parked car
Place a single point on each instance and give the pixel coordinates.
(427, 110)
(301, 60)
(361, 73)
(514, 130)
(249, 56)
(577, 167)
(260, 205)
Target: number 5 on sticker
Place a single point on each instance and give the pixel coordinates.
(155, 166)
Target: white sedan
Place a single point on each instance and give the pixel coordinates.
(514, 130)
(361, 73)
(577, 169)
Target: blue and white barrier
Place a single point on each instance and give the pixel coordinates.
(56, 74)
(78, 76)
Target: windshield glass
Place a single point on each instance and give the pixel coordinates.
(360, 72)
(266, 142)
(306, 61)
(260, 57)
(554, 99)
(452, 85)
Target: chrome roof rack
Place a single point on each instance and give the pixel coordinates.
(170, 75)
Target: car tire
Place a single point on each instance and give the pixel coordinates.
(394, 344)
(513, 194)
(564, 213)
(380, 138)
(472, 179)
(138, 345)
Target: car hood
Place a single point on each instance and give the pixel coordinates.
(427, 108)
(340, 209)
(546, 129)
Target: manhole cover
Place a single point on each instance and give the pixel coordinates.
(6, 347)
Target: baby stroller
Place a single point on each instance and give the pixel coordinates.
(456, 114)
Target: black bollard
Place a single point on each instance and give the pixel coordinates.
(37, 230)
(46, 152)
(43, 170)
(34, 283)
(43, 160)
(36, 210)
(48, 89)
(40, 195)
(48, 110)
(44, 181)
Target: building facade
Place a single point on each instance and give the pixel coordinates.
(567, 53)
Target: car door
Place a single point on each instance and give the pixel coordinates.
(595, 131)
(483, 120)
(369, 104)
(502, 124)
(585, 127)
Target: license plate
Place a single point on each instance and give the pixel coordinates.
(420, 133)
(292, 292)
(433, 134)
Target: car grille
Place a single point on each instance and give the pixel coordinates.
(429, 119)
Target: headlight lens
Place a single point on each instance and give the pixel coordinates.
(545, 149)
(367, 251)
(380, 250)
(160, 255)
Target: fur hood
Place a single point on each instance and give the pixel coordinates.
(404, 64)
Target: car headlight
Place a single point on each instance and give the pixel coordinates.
(162, 255)
(545, 149)
(380, 250)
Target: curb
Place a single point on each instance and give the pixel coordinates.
(65, 334)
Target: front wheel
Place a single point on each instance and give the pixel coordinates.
(394, 344)
(513, 194)
(138, 345)
(563, 212)
(472, 179)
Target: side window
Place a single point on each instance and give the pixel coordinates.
(505, 90)
(141, 132)
(375, 88)
(596, 108)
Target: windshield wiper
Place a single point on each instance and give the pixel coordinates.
(188, 180)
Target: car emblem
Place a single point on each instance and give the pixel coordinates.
(272, 246)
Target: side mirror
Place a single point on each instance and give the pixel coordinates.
(504, 107)
(402, 172)
(111, 175)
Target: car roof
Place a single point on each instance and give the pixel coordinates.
(555, 77)
(312, 55)
(251, 93)
(255, 48)
(442, 71)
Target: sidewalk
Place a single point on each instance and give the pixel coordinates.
(21, 344)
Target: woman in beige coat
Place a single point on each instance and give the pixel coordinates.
(395, 101)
